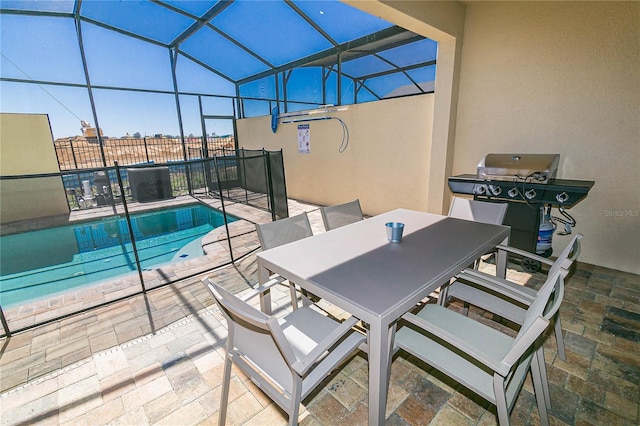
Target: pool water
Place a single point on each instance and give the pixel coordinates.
(41, 263)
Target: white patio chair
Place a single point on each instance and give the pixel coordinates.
(342, 214)
(486, 361)
(286, 358)
(508, 299)
(283, 231)
(478, 211)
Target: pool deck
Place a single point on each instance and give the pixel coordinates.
(215, 246)
(156, 358)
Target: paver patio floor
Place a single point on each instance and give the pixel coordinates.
(157, 359)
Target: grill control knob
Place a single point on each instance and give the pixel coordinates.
(513, 192)
(562, 197)
(480, 189)
(530, 194)
(495, 190)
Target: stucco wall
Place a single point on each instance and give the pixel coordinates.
(26, 147)
(384, 164)
(442, 21)
(560, 77)
(550, 77)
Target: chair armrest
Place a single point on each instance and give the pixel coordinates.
(524, 253)
(261, 289)
(499, 285)
(302, 366)
(472, 351)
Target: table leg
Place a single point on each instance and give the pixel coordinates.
(501, 261)
(265, 297)
(379, 349)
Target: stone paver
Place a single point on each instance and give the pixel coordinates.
(158, 358)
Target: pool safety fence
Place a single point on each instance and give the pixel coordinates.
(82, 153)
(252, 177)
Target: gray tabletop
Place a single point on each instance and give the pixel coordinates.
(357, 264)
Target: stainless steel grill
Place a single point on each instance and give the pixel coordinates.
(528, 183)
(541, 168)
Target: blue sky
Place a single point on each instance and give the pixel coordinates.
(45, 48)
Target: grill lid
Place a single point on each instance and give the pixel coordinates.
(541, 168)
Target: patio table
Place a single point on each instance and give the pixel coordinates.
(356, 269)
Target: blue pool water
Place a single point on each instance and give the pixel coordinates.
(40, 263)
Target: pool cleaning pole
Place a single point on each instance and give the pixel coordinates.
(129, 226)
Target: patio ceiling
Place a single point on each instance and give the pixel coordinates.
(245, 40)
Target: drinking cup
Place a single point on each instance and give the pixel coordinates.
(394, 231)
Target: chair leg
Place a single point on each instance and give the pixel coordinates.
(543, 376)
(501, 400)
(294, 296)
(538, 387)
(296, 398)
(392, 338)
(465, 309)
(306, 298)
(559, 337)
(442, 295)
(224, 398)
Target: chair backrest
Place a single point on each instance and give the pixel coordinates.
(478, 211)
(341, 214)
(283, 231)
(539, 313)
(569, 254)
(250, 334)
(546, 304)
(550, 295)
(537, 317)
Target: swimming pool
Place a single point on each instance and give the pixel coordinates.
(41, 263)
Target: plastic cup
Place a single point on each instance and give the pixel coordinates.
(394, 231)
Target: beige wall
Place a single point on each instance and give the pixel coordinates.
(26, 147)
(384, 164)
(561, 77)
(442, 21)
(551, 77)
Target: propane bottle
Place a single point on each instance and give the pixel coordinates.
(545, 232)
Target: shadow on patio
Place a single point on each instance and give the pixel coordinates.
(157, 359)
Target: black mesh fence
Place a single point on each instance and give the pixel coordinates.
(159, 170)
(98, 187)
(252, 177)
(255, 178)
(278, 184)
(82, 153)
